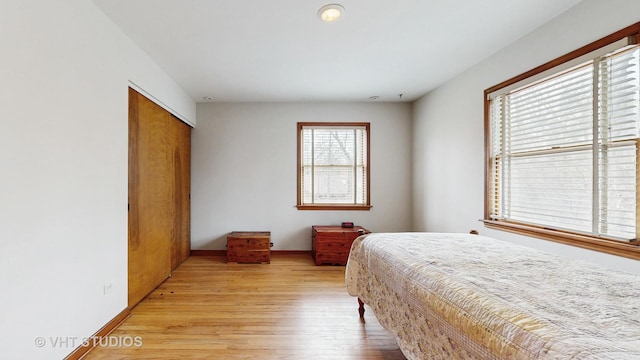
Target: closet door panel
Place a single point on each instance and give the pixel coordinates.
(152, 209)
(182, 173)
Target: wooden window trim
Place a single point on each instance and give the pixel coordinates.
(604, 245)
(367, 206)
(629, 250)
(334, 207)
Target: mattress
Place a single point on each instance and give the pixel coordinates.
(459, 296)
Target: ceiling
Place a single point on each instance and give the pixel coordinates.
(279, 50)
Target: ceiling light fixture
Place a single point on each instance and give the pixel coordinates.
(331, 12)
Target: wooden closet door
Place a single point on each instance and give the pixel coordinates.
(181, 246)
(159, 157)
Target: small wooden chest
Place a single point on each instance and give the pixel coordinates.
(249, 247)
(331, 244)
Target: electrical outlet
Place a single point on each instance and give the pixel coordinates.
(107, 288)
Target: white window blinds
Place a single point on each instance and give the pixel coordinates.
(334, 165)
(563, 150)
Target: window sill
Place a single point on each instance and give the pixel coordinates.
(334, 207)
(619, 248)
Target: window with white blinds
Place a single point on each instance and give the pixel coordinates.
(333, 165)
(563, 150)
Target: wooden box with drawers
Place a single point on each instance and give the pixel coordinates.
(249, 247)
(331, 244)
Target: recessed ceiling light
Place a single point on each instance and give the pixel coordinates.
(207, 98)
(375, 97)
(331, 12)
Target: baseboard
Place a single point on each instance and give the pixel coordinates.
(224, 252)
(83, 349)
(208, 252)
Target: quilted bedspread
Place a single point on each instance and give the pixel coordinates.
(459, 296)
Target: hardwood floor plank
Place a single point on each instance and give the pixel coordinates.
(289, 309)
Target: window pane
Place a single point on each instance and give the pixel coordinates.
(333, 147)
(556, 112)
(361, 185)
(306, 146)
(619, 96)
(618, 191)
(306, 185)
(333, 184)
(554, 190)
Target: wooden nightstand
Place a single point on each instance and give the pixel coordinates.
(249, 247)
(331, 244)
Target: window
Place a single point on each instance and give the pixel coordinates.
(562, 150)
(333, 166)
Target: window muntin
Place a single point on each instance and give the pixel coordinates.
(333, 165)
(562, 151)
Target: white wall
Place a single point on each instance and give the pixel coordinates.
(448, 125)
(244, 171)
(63, 179)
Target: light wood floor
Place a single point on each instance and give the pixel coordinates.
(289, 309)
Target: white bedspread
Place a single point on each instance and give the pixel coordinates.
(448, 296)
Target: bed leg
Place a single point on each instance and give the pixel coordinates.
(361, 308)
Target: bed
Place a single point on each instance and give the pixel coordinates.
(460, 296)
